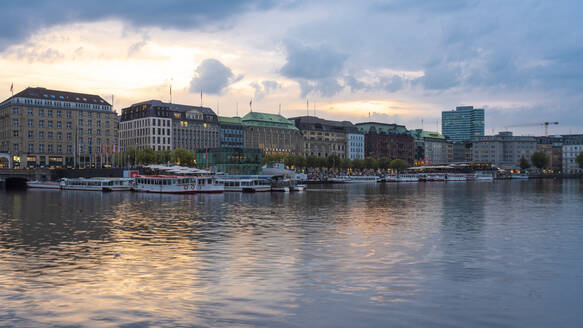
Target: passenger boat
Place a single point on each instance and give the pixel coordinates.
(178, 184)
(355, 179)
(43, 184)
(455, 177)
(407, 178)
(390, 178)
(97, 184)
(435, 177)
(279, 183)
(296, 186)
(519, 176)
(245, 184)
(483, 176)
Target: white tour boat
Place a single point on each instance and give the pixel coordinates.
(43, 184)
(407, 178)
(455, 177)
(355, 179)
(519, 176)
(97, 184)
(245, 184)
(435, 177)
(177, 184)
(483, 176)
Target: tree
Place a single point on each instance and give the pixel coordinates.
(357, 163)
(300, 161)
(312, 161)
(332, 161)
(184, 157)
(371, 163)
(579, 160)
(398, 164)
(540, 160)
(384, 163)
(523, 164)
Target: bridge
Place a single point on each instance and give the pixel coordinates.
(18, 177)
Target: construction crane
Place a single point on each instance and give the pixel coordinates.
(545, 124)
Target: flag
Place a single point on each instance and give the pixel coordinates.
(12, 87)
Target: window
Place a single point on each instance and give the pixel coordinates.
(30, 123)
(15, 122)
(80, 122)
(89, 122)
(69, 149)
(15, 111)
(41, 148)
(98, 124)
(89, 114)
(59, 135)
(41, 112)
(59, 149)
(31, 148)
(30, 112)
(69, 136)
(41, 124)
(41, 134)
(58, 113)
(58, 124)
(50, 148)
(68, 125)
(98, 132)
(31, 134)
(50, 113)
(68, 114)
(89, 131)
(50, 124)
(15, 148)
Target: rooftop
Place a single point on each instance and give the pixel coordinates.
(176, 107)
(267, 120)
(57, 95)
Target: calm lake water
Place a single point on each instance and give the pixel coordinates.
(501, 254)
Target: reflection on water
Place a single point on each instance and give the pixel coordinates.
(458, 254)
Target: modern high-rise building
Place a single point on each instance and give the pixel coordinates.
(465, 123)
(50, 128)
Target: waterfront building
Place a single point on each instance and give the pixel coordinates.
(572, 147)
(431, 148)
(392, 141)
(165, 126)
(232, 132)
(463, 123)
(272, 133)
(354, 144)
(462, 152)
(503, 150)
(49, 128)
(246, 161)
(323, 138)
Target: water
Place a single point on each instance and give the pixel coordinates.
(504, 254)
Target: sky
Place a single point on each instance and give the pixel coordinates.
(400, 61)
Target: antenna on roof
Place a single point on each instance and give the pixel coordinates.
(307, 107)
(237, 108)
(171, 79)
(279, 109)
(314, 109)
(250, 105)
(201, 98)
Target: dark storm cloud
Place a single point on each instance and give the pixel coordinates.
(21, 19)
(212, 77)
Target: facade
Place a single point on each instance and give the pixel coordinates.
(387, 140)
(232, 132)
(50, 128)
(230, 160)
(272, 133)
(571, 148)
(164, 126)
(355, 144)
(462, 152)
(431, 148)
(324, 137)
(503, 150)
(463, 124)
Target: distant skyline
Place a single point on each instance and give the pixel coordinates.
(402, 61)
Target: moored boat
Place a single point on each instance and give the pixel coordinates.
(43, 184)
(407, 178)
(97, 184)
(178, 184)
(245, 184)
(455, 177)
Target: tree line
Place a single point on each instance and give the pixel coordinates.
(334, 161)
(541, 160)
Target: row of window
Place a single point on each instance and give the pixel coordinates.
(50, 112)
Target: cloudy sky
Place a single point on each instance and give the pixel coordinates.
(400, 61)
